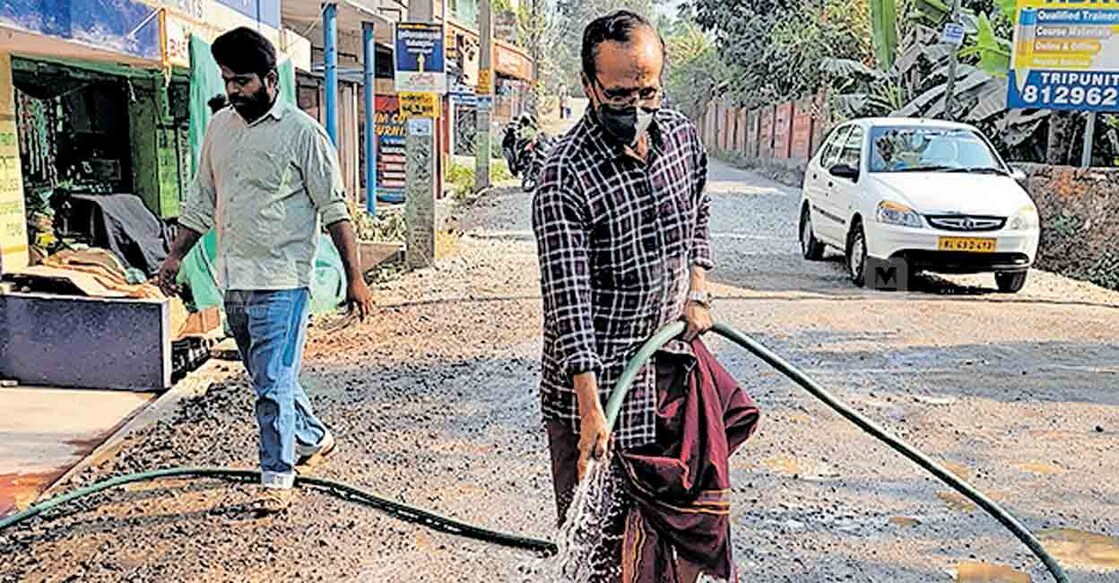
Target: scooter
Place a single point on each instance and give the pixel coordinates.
(534, 154)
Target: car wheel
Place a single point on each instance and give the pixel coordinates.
(856, 255)
(1010, 281)
(810, 246)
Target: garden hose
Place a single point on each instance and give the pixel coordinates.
(613, 406)
(339, 489)
(671, 331)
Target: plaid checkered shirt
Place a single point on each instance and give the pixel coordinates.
(616, 238)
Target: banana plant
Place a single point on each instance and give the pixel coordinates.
(884, 30)
(992, 52)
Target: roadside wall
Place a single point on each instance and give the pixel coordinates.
(786, 134)
(1079, 211)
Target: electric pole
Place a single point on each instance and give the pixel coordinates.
(420, 167)
(950, 86)
(485, 97)
(534, 54)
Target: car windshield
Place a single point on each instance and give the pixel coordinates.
(930, 149)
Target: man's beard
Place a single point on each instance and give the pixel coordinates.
(252, 108)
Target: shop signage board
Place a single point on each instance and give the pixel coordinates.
(419, 105)
(1066, 56)
(177, 27)
(121, 26)
(391, 132)
(13, 222)
(420, 58)
(485, 81)
(512, 63)
(464, 99)
(952, 34)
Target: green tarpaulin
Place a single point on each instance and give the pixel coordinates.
(328, 286)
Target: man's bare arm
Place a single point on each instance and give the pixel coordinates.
(168, 274)
(358, 296)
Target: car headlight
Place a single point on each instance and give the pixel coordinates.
(893, 213)
(1026, 218)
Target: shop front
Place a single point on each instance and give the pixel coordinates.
(512, 84)
(98, 127)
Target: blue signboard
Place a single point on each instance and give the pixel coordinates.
(121, 26)
(420, 58)
(952, 34)
(1066, 56)
(1064, 90)
(263, 11)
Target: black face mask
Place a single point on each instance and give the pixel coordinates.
(626, 124)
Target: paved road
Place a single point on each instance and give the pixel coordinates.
(434, 403)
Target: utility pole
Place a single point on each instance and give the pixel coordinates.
(534, 26)
(330, 66)
(950, 87)
(485, 97)
(419, 168)
(368, 56)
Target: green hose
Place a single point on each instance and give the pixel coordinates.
(397, 509)
(667, 333)
(613, 406)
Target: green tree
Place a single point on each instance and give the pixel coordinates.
(694, 71)
(773, 49)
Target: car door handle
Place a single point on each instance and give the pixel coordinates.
(815, 176)
(831, 184)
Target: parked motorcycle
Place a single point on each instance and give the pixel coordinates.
(536, 152)
(525, 148)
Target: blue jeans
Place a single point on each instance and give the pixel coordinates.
(270, 327)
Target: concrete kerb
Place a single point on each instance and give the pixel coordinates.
(193, 384)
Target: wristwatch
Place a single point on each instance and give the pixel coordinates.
(702, 298)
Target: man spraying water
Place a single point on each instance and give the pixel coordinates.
(621, 224)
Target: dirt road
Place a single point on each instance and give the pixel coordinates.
(434, 403)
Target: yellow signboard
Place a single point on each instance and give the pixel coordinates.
(13, 221)
(485, 81)
(419, 105)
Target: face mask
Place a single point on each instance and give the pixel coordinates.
(626, 124)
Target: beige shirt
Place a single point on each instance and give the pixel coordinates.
(263, 187)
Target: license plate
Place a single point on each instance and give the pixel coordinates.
(972, 244)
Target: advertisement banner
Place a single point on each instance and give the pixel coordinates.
(1066, 56)
(419, 105)
(391, 133)
(13, 222)
(420, 58)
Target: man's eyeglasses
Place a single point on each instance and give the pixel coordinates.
(629, 97)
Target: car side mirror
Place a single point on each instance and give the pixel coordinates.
(1018, 174)
(845, 171)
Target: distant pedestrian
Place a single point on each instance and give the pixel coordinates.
(621, 224)
(268, 179)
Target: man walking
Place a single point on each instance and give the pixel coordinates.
(268, 178)
(621, 224)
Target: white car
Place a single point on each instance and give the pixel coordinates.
(930, 194)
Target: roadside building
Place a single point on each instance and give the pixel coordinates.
(101, 112)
